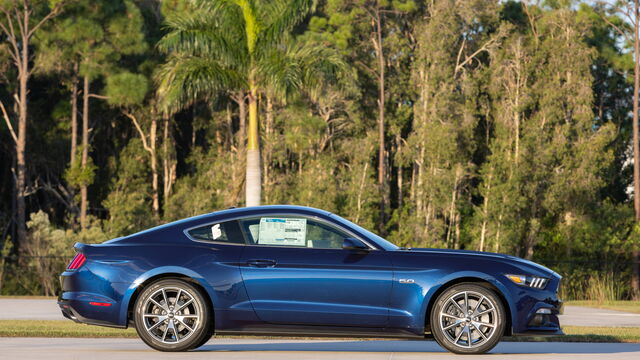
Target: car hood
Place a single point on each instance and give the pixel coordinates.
(488, 255)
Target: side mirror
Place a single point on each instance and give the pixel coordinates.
(354, 244)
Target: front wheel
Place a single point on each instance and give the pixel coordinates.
(172, 315)
(468, 319)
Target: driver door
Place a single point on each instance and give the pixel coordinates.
(296, 272)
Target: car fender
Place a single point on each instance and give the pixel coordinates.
(456, 276)
(175, 270)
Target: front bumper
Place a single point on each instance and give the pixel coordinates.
(538, 312)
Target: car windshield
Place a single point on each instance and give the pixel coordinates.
(377, 239)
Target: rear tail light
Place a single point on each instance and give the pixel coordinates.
(77, 262)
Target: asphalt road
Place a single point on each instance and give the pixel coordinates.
(219, 349)
(285, 349)
(585, 316)
(29, 309)
(41, 309)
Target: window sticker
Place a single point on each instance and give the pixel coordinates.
(216, 232)
(282, 231)
(254, 230)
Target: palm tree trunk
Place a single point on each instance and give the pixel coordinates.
(253, 186)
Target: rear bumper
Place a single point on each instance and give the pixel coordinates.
(85, 298)
(71, 313)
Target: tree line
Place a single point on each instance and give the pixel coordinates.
(487, 125)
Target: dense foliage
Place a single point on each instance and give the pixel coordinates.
(479, 124)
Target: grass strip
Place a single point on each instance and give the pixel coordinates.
(65, 328)
(59, 328)
(619, 305)
(589, 334)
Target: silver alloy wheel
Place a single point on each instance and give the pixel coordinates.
(171, 315)
(468, 319)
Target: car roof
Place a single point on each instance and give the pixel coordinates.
(254, 210)
(233, 213)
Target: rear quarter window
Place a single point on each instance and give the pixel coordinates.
(218, 232)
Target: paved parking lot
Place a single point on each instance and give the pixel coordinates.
(585, 316)
(285, 349)
(29, 309)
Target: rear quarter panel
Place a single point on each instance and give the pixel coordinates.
(114, 272)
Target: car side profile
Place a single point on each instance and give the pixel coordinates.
(292, 271)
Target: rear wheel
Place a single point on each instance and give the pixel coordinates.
(172, 315)
(468, 319)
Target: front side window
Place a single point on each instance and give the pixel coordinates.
(220, 232)
(292, 231)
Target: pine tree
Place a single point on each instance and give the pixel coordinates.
(22, 21)
(91, 38)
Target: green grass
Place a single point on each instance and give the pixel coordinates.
(58, 328)
(620, 305)
(590, 334)
(66, 328)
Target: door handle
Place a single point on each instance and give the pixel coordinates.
(261, 263)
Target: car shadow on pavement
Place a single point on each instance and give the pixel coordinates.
(387, 346)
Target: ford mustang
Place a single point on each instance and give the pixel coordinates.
(292, 270)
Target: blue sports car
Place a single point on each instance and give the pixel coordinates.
(291, 270)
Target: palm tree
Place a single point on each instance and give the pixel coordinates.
(242, 46)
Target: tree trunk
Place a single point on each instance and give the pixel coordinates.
(17, 31)
(239, 167)
(154, 166)
(74, 114)
(452, 209)
(253, 186)
(635, 278)
(228, 142)
(150, 146)
(399, 175)
(485, 212)
(169, 165)
(239, 98)
(382, 158)
(268, 147)
(360, 193)
(21, 143)
(85, 151)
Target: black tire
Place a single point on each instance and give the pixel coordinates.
(471, 333)
(206, 338)
(182, 322)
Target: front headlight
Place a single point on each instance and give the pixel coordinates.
(530, 281)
